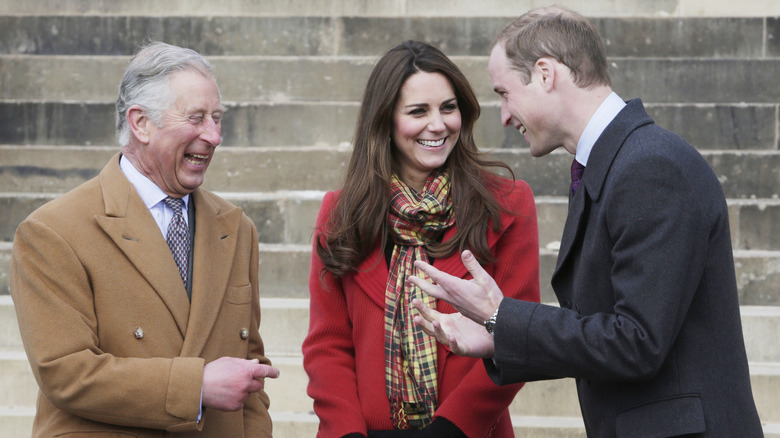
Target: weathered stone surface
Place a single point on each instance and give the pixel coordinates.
(366, 35)
(122, 35)
(322, 79)
(758, 278)
(724, 37)
(759, 226)
(14, 208)
(305, 124)
(206, 7)
(706, 81)
(286, 224)
(32, 169)
(773, 36)
(504, 8)
(57, 123)
(5, 269)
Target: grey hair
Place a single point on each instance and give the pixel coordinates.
(145, 82)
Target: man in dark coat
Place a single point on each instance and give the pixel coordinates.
(649, 320)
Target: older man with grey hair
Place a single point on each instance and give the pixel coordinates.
(137, 292)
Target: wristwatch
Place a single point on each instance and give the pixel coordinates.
(490, 324)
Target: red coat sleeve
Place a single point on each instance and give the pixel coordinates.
(328, 350)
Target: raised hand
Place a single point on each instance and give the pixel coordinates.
(477, 298)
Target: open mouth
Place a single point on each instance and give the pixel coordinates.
(522, 129)
(196, 159)
(432, 143)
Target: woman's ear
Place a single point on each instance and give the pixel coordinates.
(139, 124)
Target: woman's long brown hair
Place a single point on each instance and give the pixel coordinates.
(358, 220)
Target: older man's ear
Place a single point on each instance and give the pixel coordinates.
(138, 123)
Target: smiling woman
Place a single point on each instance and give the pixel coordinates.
(426, 126)
(417, 188)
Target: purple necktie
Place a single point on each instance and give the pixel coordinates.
(576, 175)
(178, 236)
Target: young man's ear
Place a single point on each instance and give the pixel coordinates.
(139, 123)
(545, 68)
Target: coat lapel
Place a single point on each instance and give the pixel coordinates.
(215, 244)
(372, 275)
(606, 148)
(130, 225)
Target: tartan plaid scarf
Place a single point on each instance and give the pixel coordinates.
(415, 219)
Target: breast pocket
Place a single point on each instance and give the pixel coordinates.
(239, 294)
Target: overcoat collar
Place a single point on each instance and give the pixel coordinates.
(372, 273)
(606, 148)
(128, 222)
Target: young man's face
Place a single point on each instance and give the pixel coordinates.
(526, 107)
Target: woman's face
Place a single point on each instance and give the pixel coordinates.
(426, 126)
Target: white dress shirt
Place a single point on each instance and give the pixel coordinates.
(152, 196)
(603, 116)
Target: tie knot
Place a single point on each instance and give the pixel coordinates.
(174, 203)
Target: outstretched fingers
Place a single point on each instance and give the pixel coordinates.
(432, 287)
(476, 270)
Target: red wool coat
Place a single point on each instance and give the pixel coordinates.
(343, 353)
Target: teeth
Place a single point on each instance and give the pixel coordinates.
(196, 158)
(432, 142)
(522, 130)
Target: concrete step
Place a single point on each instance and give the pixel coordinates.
(289, 217)
(708, 126)
(284, 271)
(744, 174)
(539, 400)
(283, 79)
(391, 8)
(283, 329)
(94, 34)
(285, 322)
(17, 423)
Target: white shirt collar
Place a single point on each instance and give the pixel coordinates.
(149, 192)
(603, 116)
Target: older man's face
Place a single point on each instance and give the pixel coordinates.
(179, 152)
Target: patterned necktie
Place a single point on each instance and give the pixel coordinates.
(576, 175)
(178, 236)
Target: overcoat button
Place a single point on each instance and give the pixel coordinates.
(139, 333)
(244, 333)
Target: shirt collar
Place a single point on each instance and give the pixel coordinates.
(149, 192)
(603, 116)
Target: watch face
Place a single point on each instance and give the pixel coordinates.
(490, 324)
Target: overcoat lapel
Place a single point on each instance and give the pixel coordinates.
(130, 225)
(214, 252)
(606, 148)
(372, 272)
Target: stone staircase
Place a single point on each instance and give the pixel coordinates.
(292, 74)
